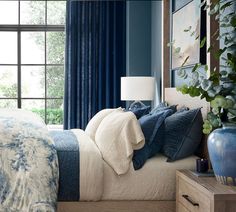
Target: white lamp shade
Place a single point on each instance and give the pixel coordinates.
(137, 88)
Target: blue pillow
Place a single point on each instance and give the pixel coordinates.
(183, 133)
(140, 111)
(153, 130)
(182, 109)
(163, 106)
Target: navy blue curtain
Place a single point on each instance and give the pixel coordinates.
(94, 59)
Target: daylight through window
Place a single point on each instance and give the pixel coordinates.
(32, 41)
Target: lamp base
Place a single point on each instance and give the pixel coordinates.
(136, 105)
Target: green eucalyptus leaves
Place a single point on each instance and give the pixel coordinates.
(217, 87)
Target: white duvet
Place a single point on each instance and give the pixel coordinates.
(91, 168)
(118, 135)
(99, 181)
(154, 181)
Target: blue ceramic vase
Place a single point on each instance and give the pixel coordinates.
(222, 150)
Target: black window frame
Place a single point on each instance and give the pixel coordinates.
(19, 28)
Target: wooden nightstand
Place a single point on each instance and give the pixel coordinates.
(203, 194)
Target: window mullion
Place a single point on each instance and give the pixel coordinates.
(51, 28)
(18, 60)
(18, 69)
(45, 67)
(45, 76)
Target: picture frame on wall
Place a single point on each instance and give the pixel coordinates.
(188, 29)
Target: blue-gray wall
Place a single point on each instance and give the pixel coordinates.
(144, 40)
(138, 38)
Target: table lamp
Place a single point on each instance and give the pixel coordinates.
(137, 89)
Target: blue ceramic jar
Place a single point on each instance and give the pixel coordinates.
(222, 150)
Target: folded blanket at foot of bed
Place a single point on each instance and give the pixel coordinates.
(67, 148)
(28, 163)
(80, 166)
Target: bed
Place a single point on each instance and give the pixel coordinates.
(137, 191)
(39, 168)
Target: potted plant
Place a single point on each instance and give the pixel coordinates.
(218, 87)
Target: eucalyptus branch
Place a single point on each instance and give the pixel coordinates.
(219, 88)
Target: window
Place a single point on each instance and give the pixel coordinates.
(32, 41)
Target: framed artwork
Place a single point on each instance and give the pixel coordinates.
(188, 28)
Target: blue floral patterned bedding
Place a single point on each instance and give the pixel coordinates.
(28, 164)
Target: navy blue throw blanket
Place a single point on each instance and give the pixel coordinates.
(68, 155)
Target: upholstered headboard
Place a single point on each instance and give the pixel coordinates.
(174, 97)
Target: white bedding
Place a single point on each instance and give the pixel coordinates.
(98, 181)
(155, 181)
(118, 135)
(91, 168)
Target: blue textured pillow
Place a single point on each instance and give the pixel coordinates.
(183, 133)
(182, 109)
(163, 106)
(139, 112)
(153, 130)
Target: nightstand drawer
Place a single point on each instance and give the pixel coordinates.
(203, 194)
(192, 198)
(181, 208)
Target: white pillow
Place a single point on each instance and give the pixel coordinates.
(93, 124)
(118, 135)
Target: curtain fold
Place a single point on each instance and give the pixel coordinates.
(94, 59)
